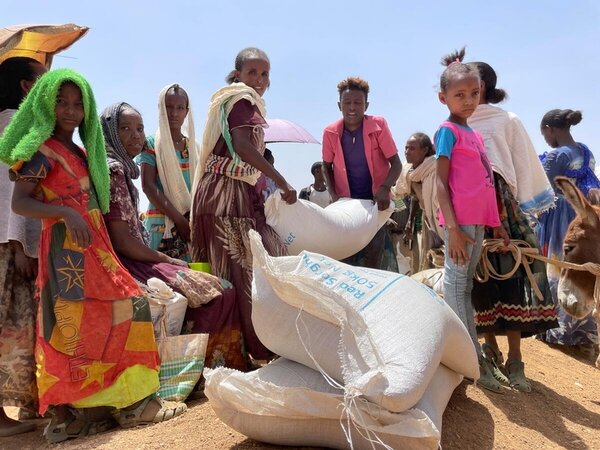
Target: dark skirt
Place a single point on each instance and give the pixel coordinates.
(224, 211)
(512, 305)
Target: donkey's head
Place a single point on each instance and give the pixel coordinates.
(581, 245)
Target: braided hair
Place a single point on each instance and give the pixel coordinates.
(561, 118)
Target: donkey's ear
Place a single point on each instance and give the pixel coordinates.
(580, 204)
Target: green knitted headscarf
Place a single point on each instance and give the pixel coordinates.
(35, 120)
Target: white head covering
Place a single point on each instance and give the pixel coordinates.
(167, 163)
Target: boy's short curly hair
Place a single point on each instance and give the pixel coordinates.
(316, 166)
(353, 83)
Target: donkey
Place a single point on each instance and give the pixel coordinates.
(581, 245)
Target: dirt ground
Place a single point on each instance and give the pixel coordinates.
(563, 411)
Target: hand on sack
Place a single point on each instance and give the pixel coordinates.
(288, 194)
(382, 198)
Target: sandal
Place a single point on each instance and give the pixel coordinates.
(516, 375)
(133, 418)
(486, 379)
(58, 432)
(496, 361)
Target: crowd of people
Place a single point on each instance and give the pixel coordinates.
(75, 256)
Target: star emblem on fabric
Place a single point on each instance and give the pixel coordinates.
(95, 372)
(73, 273)
(38, 172)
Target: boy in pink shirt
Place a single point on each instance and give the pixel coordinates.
(361, 160)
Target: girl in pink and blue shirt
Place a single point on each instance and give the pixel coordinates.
(465, 186)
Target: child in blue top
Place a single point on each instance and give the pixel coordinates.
(465, 186)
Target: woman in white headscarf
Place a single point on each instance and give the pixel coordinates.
(166, 174)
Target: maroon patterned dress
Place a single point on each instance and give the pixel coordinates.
(224, 211)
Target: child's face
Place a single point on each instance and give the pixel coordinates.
(131, 132)
(414, 153)
(69, 108)
(255, 73)
(177, 109)
(462, 96)
(353, 105)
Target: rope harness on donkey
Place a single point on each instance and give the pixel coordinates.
(524, 255)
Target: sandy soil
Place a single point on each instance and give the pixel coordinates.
(563, 411)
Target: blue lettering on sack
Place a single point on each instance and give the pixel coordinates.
(289, 239)
(359, 284)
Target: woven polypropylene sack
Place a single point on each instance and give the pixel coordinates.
(286, 403)
(339, 231)
(432, 278)
(380, 334)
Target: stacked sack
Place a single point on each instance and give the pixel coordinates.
(374, 356)
(433, 278)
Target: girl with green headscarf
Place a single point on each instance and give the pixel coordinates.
(95, 347)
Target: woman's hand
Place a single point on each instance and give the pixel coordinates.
(501, 233)
(183, 228)
(288, 194)
(457, 246)
(77, 228)
(177, 262)
(25, 266)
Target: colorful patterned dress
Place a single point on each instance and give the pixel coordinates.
(219, 317)
(154, 220)
(225, 210)
(95, 342)
(551, 232)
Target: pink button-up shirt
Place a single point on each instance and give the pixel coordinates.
(379, 147)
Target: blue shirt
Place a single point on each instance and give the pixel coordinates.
(357, 168)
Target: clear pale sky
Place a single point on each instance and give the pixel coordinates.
(546, 55)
